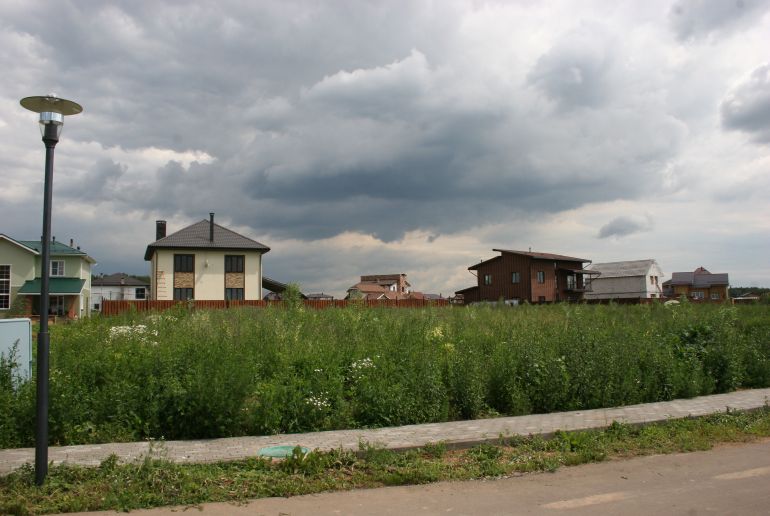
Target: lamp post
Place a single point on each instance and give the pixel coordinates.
(52, 111)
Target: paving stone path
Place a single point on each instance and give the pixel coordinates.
(454, 434)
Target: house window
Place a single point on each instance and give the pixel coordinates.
(487, 279)
(234, 294)
(571, 282)
(57, 267)
(183, 294)
(139, 293)
(697, 295)
(5, 287)
(515, 277)
(184, 263)
(234, 263)
(715, 296)
(540, 276)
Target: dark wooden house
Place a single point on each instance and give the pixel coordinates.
(518, 276)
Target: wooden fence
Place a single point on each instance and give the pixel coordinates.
(112, 307)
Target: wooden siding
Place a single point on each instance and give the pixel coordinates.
(553, 288)
(114, 307)
(501, 270)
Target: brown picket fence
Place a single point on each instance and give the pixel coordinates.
(114, 307)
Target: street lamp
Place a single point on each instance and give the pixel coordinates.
(52, 111)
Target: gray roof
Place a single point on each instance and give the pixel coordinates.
(623, 269)
(197, 237)
(118, 279)
(698, 279)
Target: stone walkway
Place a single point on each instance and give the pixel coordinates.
(454, 434)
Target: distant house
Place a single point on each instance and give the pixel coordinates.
(517, 276)
(747, 298)
(698, 285)
(383, 286)
(320, 297)
(634, 279)
(69, 277)
(366, 290)
(204, 261)
(118, 286)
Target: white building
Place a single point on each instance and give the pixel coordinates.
(204, 261)
(119, 287)
(631, 279)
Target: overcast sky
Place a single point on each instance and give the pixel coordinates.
(362, 137)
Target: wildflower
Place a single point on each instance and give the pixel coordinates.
(138, 332)
(319, 402)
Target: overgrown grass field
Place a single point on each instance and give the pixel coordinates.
(182, 374)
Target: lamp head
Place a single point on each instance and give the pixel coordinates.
(52, 111)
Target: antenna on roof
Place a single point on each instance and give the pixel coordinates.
(530, 249)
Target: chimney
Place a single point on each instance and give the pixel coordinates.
(160, 229)
(72, 243)
(211, 226)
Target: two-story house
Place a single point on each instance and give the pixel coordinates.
(634, 279)
(20, 276)
(698, 285)
(518, 276)
(204, 261)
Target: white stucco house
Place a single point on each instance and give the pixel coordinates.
(625, 280)
(204, 261)
(118, 286)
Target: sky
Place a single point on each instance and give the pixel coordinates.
(373, 137)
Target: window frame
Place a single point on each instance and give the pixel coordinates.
(6, 295)
(143, 296)
(61, 272)
(541, 277)
(515, 277)
(178, 292)
(714, 296)
(181, 262)
(239, 291)
(487, 279)
(235, 263)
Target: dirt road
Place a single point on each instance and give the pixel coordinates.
(731, 479)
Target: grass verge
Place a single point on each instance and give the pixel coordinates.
(156, 482)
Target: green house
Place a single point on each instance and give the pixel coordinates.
(20, 270)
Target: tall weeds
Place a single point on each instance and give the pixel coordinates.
(197, 374)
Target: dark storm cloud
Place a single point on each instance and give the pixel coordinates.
(624, 226)
(696, 18)
(315, 120)
(97, 185)
(747, 107)
(181, 76)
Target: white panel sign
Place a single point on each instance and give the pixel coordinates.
(17, 333)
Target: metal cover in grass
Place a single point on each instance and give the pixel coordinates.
(279, 451)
